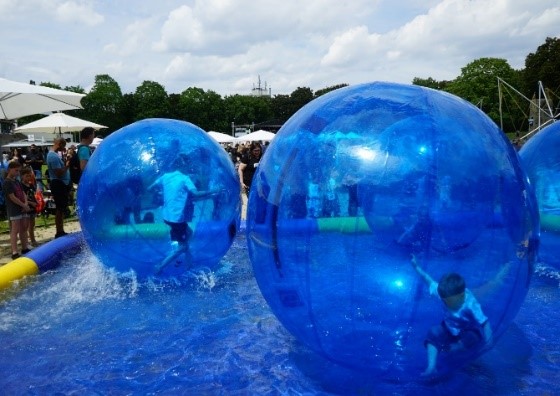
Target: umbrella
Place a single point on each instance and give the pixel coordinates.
(58, 123)
(221, 137)
(19, 99)
(256, 136)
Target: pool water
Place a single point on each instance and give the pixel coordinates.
(82, 329)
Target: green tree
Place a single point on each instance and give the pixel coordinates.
(103, 104)
(128, 106)
(281, 107)
(246, 110)
(543, 65)
(150, 99)
(284, 106)
(323, 91)
(75, 88)
(174, 105)
(430, 83)
(300, 97)
(204, 109)
(50, 85)
(478, 83)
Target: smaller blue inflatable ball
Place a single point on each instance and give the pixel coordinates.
(540, 157)
(159, 197)
(356, 183)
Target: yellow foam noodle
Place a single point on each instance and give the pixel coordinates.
(15, 270)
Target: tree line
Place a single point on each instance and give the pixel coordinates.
(106, 103)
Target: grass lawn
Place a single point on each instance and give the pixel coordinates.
(40, 222)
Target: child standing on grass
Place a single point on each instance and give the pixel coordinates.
(16, 206)
(30, 189)
(464, 325)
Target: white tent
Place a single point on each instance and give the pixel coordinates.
(221, 137)
(27, 143)
(20, 99)
(259, 135)
(96, 142)
(58, 123)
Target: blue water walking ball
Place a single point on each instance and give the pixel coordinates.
(356, 183)
(159, 190)
(540, 157)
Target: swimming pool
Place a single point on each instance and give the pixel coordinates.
(82, 329)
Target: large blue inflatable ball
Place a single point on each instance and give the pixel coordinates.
(540, 157)
(358, 182)
(159, 197)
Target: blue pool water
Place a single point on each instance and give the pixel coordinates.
(84, 330)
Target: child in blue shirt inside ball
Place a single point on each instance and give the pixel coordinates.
(464, 325)
(178, 189)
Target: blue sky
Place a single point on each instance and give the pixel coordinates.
(224, 45)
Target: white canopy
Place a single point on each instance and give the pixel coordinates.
(259, 135)
(27, 143)
(58, 123)
(221, 137)
(96, 142)
(20, 99)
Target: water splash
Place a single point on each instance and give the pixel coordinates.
(78, 282)
(205, 278)
(545, 271)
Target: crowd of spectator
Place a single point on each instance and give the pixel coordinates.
(23, 183)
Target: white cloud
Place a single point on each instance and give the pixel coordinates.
(181, 32)
(227, 27)
(134, 40)
(351, 46)
(548, 20)
(441, 41)
(71, 11)
(224, 45)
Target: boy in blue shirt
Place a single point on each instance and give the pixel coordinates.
(464, 325)
(178, 189)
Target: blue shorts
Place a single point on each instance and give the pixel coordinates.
(180, 232)
(442, 339)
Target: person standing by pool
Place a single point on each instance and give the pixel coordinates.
(35, 160)
(178, 191)
(84, 152)
(59, 176)
(248, 166)
(29, 186)
(16, 206)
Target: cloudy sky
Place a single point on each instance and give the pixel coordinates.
(224, 45)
